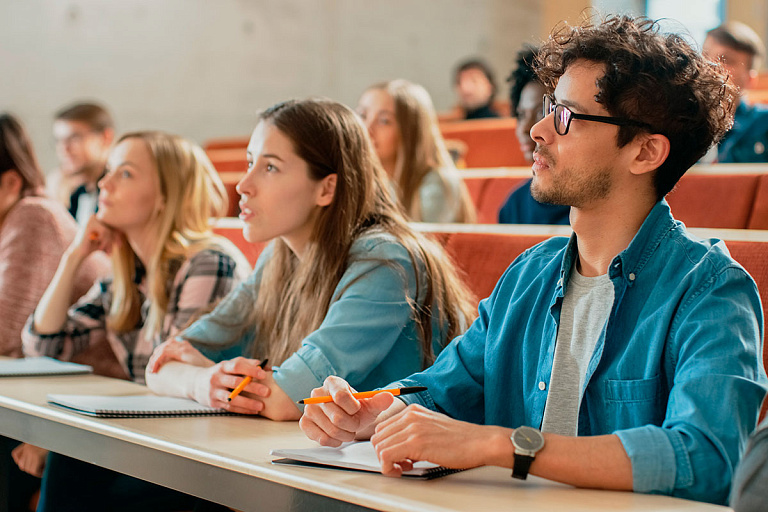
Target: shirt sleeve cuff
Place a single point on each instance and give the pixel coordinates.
(423, 398)
(302, 372)
(653, 452)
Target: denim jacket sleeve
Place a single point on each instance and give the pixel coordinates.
(715, 348)
(455, 382)
(367, 336)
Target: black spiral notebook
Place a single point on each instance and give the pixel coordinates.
(40, 366)
(132, 406)
(357, 456)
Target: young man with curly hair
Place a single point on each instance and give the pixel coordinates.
(626, 357)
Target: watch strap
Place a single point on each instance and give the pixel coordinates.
(522, 465)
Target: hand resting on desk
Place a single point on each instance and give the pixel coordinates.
(176, 368)
(401, 435)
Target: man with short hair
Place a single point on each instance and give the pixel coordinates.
(84, 133)
(741, 52)
(626, 357)
(476, 87)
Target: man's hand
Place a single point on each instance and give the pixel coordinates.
(418, 434)
(346, 418)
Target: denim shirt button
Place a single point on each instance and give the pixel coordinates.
(560, 282)
(631, 276)
(542, 385)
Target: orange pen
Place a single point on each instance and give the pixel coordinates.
(247, 380)
(364, 394)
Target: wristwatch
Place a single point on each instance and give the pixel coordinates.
(527, 441)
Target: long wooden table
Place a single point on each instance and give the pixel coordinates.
(226, 460)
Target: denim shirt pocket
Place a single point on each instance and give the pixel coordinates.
(631, 403)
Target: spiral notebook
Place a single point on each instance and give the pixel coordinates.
(357, 456)
(132, 406)
(40, 366)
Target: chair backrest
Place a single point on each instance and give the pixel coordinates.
(226, 143)
(490, 142)
(489, 189)
(714, 200)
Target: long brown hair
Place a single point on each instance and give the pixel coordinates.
(422, 148)
(294, 295)
(193, 193)
(16, 153)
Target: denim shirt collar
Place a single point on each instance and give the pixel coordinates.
(629, 263)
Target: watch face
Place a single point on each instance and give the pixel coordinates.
(527, 438)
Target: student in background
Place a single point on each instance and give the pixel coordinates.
(526, 100)
(154, 207)
(476, 88)
(741, 52)
(34, 232)
(634, 346)
(402, 124)
(84, 133)
(347, 287)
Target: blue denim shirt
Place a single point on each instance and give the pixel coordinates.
(369, 336)
(676, 373)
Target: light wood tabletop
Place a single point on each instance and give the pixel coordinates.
(226, 459)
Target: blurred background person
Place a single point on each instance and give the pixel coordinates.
(34, 232)
(526, 100)
(475, 85)
(402, 124)
(83, 133)
(741, 51)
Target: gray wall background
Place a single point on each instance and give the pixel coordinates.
(202, 68)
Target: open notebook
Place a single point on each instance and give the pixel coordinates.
(37, 366)
(132, 406)
(358, 456)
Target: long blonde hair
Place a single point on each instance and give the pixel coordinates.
(294, 295)
(422, 148)
(192, 193)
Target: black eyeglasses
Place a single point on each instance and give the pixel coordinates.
(564, 116)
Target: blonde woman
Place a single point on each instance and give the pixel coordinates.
(402, 124)
(154, 207)
(346, 288)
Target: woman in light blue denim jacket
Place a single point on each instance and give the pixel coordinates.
(346, 287)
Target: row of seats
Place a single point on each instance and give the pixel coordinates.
(487, 143)
(729, 196)
(483, 252)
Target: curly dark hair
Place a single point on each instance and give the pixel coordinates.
(655, 78)
(522, 75)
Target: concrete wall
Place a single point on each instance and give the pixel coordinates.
(201, 68)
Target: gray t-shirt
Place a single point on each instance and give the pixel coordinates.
(586, 306)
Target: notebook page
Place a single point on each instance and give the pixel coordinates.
(355, 455)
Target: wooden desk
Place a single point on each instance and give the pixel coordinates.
(226, 459)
